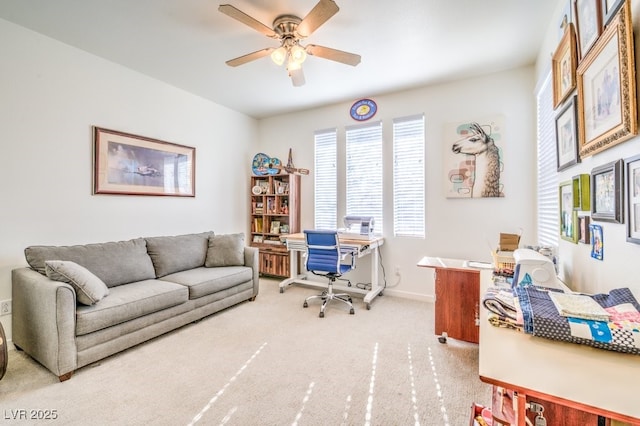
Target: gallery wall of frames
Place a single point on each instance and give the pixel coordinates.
(594, 98)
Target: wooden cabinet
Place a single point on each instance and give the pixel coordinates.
(457, 304)
(275, 211)
(457, 298)
(511, 408)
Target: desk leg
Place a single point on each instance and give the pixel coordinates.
(293, 271)
(376, 288)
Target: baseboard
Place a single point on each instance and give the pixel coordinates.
(409, 295)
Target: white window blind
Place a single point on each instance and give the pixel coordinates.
(326, 179)
(408, 177)
(548, 229)
(364, 172)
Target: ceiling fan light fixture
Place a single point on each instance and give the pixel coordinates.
(298, 53)
(279, 55)
(292, 64)
(289, 30)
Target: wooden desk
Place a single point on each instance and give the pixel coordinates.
(296, 244)
(457, 302)
(576, 380)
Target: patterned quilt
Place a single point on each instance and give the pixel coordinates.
(620, 333)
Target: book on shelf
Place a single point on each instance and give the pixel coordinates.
(272, 241)
(257, 224)
(275, 227)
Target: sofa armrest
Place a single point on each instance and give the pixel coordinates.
(44, 320)
(251, 259)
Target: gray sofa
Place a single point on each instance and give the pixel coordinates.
(75, 305)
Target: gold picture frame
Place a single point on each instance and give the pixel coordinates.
(128, 164)
(606, 77)
(563, 65)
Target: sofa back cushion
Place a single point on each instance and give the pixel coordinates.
(225, 250)
(178, 253)
(114, 263)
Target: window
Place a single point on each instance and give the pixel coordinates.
(326, 179)
(364, 172)
(408, 176)
(547, 170)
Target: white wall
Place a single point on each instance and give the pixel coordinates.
(578, 269)
(456, 228)
(51, 95)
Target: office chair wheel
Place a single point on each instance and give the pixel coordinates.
(305, 304)
(321, 315)
(281, 290)
(368, 306)
(352, 311)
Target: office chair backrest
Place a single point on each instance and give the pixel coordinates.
(323, 251)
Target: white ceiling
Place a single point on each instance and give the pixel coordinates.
(403, 44)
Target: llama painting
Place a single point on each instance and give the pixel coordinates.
(473, 159)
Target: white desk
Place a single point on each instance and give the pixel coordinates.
(578, 376)
(361, 248)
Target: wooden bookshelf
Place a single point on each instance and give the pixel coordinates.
(275, 211)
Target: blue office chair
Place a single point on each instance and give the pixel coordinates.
(325, 258)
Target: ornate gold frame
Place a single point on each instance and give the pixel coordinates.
(563, 66)
(618, 31)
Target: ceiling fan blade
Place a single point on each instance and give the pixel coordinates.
(320, 14)
(241, 60)
(297, 77)
(333, 54)
(239, 15)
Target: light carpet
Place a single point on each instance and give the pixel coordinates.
(267, 362)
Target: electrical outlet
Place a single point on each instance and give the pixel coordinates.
(5, 307)
(397, 270)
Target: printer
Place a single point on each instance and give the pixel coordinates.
(533, 268)
(357, 227)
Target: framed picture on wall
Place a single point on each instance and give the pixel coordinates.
(563, 67)
(567, 135)
(607, 88)
(632, 170)
(136, 165)
(606, 192)
(609, 9)
(584, 236)
(568, 216)
(597, 241)
(588, 24)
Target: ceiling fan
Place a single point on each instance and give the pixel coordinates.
(289, 30)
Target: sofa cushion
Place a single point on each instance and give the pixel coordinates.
(225, 250)
(178, 253)
(114, 263)
(204, 281)
(89, 288)
(129, 301)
